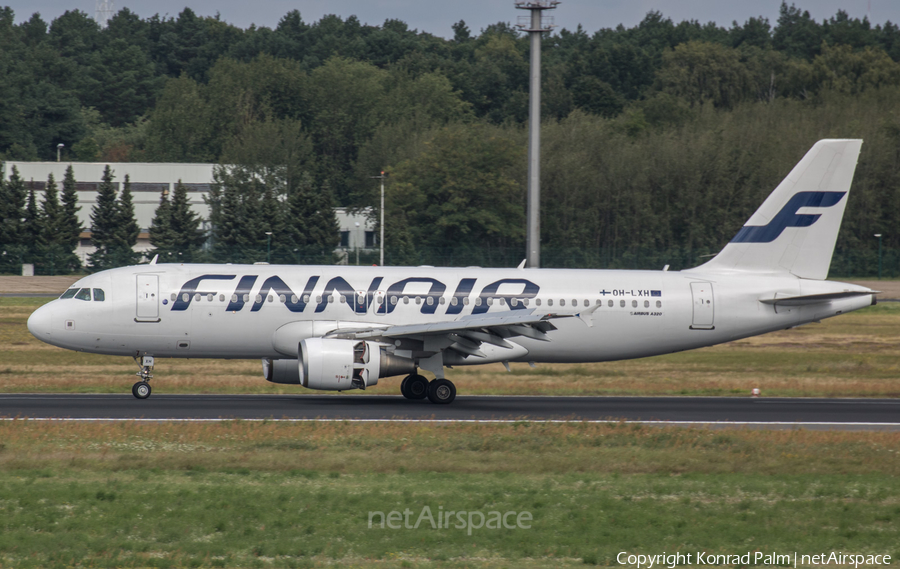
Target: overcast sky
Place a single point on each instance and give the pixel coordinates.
(436, 17)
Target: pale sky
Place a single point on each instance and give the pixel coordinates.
(437, 17)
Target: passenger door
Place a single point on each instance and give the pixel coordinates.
(147, 298)
(704, 307)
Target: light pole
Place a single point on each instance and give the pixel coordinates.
(59, 148)
(356, 243)
(268, 247)
(381, 238)
(535, 24)
(878, 235)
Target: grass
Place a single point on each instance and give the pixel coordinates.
(241, 494)
(855, 355)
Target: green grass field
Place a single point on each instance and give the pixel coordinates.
(239, 494)
(855, 355)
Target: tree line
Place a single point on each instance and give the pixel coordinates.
(659, 139)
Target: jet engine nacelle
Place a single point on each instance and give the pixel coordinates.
(334, 364)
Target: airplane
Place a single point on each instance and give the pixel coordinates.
(343, 327)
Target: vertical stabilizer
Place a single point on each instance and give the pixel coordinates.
(795, 229)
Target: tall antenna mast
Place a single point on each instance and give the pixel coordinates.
(535, 24)
(103, 11)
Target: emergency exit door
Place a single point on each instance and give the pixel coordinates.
(147, 298)
(704, 306)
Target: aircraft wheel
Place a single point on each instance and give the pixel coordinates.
(403, 390)
(441, 391)
(141, 390)
(416, 387)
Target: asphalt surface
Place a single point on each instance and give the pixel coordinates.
(722, 411)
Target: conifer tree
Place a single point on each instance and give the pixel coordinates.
(12, 240)
(31, 227)
(104, 222)
(50, 252)
(70, 225)
(312, 227)
(184, 223)
(127, 228)
(161, 236)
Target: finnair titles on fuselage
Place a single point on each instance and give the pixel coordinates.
(338, 327)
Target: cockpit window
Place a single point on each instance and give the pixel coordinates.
(69, 293)
(83, 294)
(99, 295)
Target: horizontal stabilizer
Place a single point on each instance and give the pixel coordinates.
(814, 298)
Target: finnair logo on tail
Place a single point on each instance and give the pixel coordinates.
(788, 217)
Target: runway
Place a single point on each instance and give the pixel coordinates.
(844, 414)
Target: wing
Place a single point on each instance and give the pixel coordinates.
(465, 335)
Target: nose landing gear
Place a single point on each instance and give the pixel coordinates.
(141, 389)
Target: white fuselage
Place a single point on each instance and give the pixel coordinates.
(236, 311)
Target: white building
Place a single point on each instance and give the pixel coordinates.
(148, 181)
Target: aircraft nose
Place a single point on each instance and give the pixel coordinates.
(39, 323)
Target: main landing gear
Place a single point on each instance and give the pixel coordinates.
(141, 389)
(441, 391)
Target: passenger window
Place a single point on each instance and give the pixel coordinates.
(99, 295)
(525, 302)
(466, 301)
(537, 301)
(69, 293)
(343, 299)
(513, 302)
(269, 298)
(634, 304)
(174, 296)
(478, 301)
(83, 294)
(405, 300)
(209, 297)
(197, 297)
(233, 298)
(646, 304)
(429, 300)
(490, 301)
(610, 303)
(246, 298)
(502, 301)
(549, 302)
(221, 298)
(659, 304)
(418, 300)
(454, 301)
(305, 298)
(622, 303)
(562, 301)
(258, 298)
(393, 300)
(587, 303)
(441, 300)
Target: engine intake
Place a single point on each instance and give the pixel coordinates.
(333, 364)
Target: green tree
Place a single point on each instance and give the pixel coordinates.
(13, 246)
(184, 224)
(31, 227)
(161, 235)
(70, 225)
(463, 193)
(105, 220)
(127, 228)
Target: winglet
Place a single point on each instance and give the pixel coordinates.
(588, 315)
(155, 257)
(522, 264)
